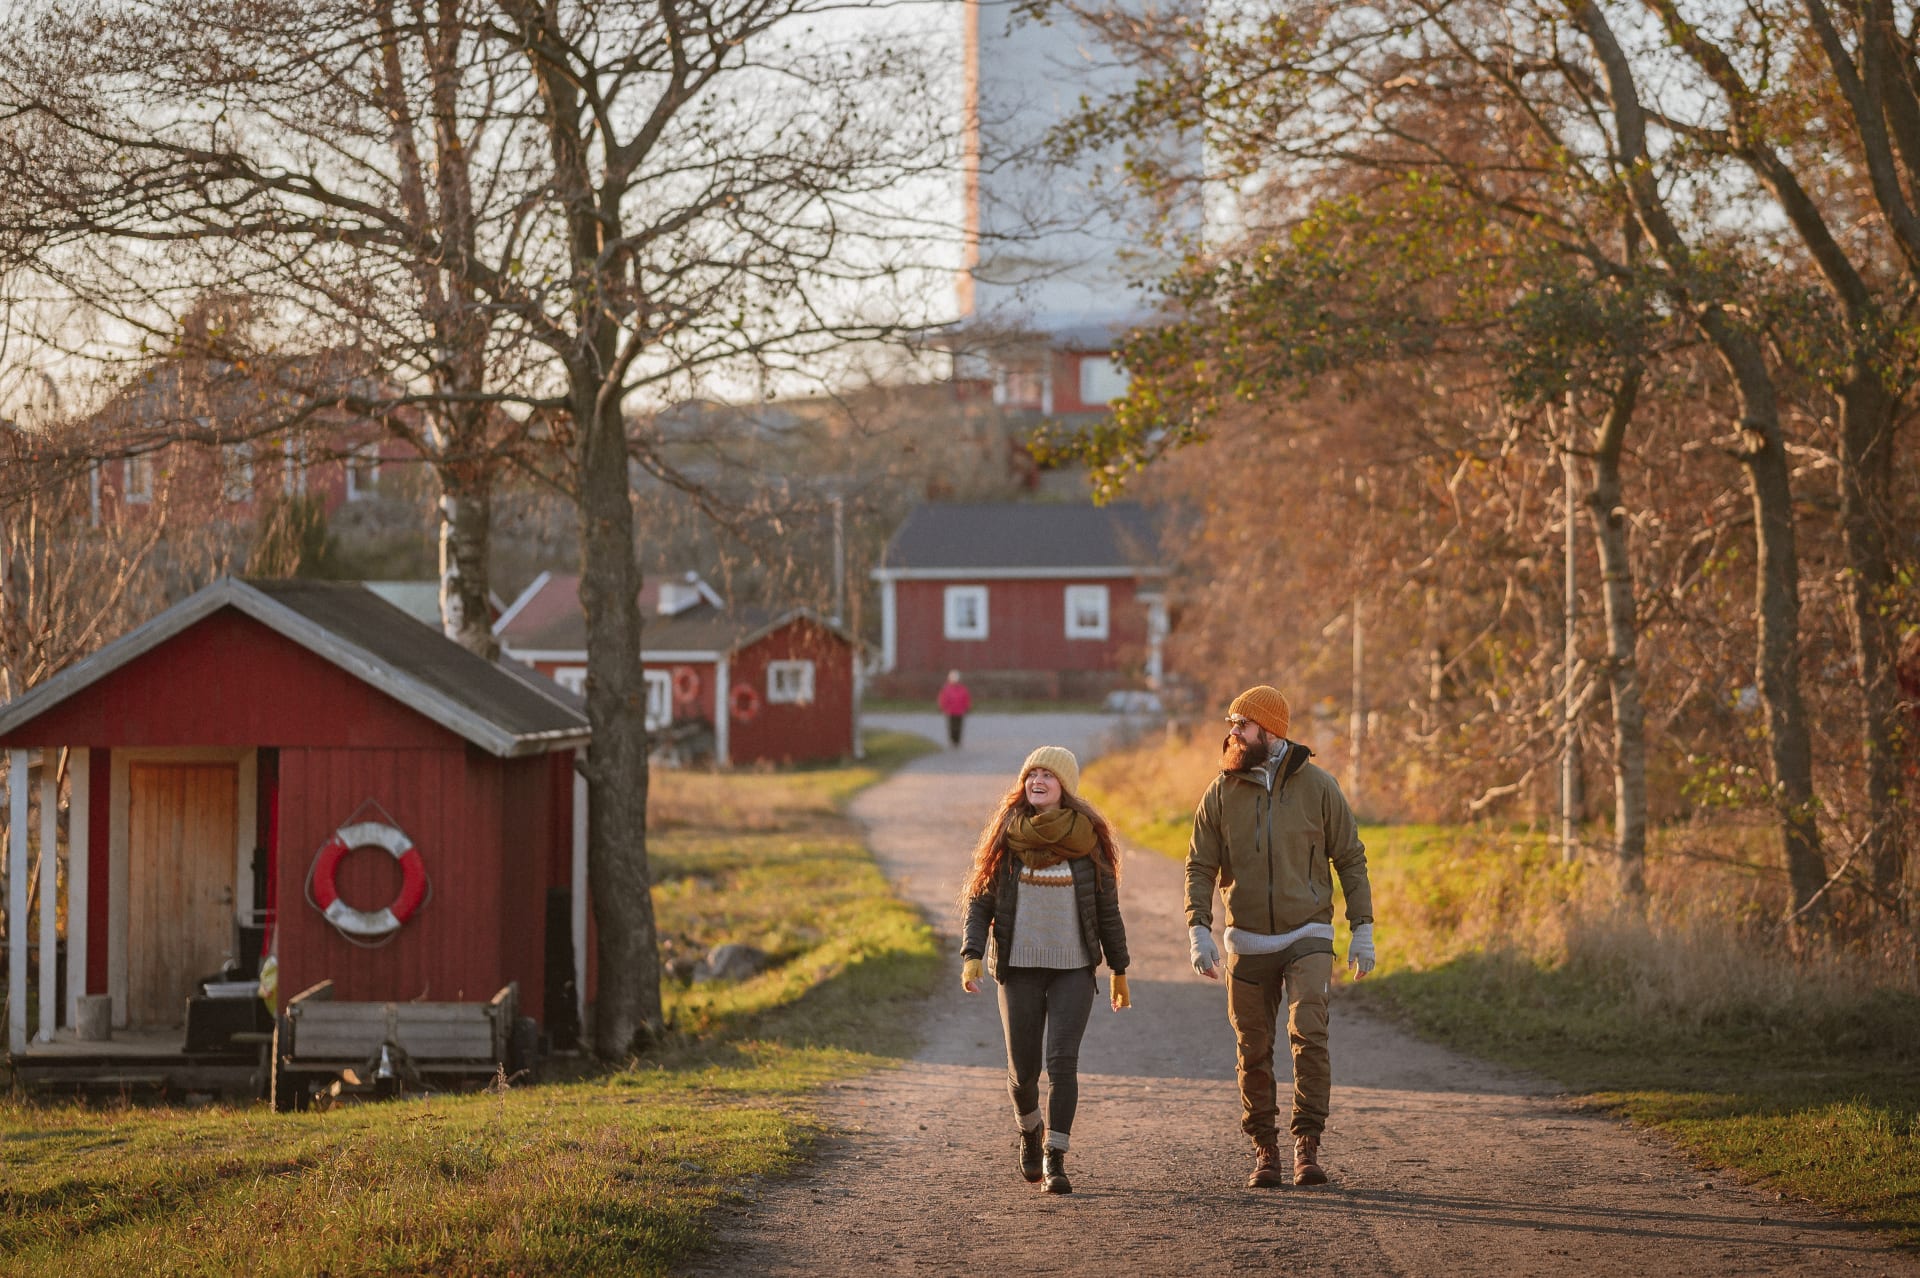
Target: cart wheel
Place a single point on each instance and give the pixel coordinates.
(285, 1090)
(523, 1050)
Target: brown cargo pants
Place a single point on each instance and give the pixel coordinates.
(1256, 984)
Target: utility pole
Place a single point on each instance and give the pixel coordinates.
(1570, 797)
(1357, 721)
(839, 559)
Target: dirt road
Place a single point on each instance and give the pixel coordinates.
(1440, 1164)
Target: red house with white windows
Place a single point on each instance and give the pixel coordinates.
(296, 766)
(1034, 600)
(192, 442)
(739, 685)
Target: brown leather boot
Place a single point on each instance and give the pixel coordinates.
(1056, 1181)
(1030, 1153)
(1266, 1166)
(1306, 1161)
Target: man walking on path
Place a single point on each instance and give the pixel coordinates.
(954, 702)
(1270, 832)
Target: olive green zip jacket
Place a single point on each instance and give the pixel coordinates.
(1273, 843)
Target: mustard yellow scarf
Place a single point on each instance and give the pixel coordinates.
(1042, 839)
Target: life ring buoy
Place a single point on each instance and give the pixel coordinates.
(686, 685)
(364, 924)
(744, 702)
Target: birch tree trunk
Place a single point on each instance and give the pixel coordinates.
(1607, 514)
(1761, 451)
(466, 514)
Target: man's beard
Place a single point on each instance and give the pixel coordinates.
(1238, 755)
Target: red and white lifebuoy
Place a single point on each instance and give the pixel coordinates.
(744, 702)
(362, 924)
(686, 685)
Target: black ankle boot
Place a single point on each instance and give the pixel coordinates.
(1030, 1151)
(1057, 1182)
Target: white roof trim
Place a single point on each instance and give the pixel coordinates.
(1010, 574)
(323, 643)
(578, 656)
(522, 600)
(572, 656)
(794, 614)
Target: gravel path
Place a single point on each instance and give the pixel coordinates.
(1439, 1163)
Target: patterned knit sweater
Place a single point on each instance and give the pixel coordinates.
(1046, 926)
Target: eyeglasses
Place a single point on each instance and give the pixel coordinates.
(1237, 720)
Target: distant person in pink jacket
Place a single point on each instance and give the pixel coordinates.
(954, 702)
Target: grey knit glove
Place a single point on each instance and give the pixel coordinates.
(1360, 951)
(1203, 952)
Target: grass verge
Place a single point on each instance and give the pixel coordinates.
(1797, 1071)
(613, 1173)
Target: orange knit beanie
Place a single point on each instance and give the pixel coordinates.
(1265, 706)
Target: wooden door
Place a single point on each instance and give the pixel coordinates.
(180, 862)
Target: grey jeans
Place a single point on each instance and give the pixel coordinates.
(1044, 1011)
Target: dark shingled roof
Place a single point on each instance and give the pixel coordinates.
(1023, 537)
(701, 629)
(494, 693)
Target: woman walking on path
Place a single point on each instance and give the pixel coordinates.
(1045, 881)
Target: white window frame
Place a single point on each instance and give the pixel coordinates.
(789, 683)
(659, 699)
(294, 481)
(137, 478)
(367, 457)
(1102, 380)
(236, 473)
(572, 678)
(1095, 598)
(954, 598)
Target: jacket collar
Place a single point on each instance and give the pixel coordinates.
(1279, 767)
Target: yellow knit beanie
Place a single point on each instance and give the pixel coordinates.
(1265, 706)
(1058, 760)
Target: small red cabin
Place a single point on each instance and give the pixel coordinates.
(741, 685)
(216, 752)
(1034, 599)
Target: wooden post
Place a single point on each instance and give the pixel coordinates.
(79, 849)
(578, 903)
(1357, 721)
(49, 1012)
(17, 900)
(1570, 609)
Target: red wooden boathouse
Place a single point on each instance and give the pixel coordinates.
(216, 751)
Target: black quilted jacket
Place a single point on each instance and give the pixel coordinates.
(1097, 895)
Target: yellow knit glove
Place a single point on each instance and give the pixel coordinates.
(1120, 996)
(970, 976)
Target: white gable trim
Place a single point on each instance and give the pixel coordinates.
(1011, 574)
(521, 600)
(231, 593)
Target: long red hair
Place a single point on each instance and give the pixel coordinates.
(990, 850)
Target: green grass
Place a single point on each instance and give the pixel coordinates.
(611, 1173)
(1800, 1072)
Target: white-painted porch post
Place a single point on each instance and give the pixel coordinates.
(49, 895)
(889, 626)
(859, 691)
(17, 900)
(579, 901)
(722, 715)
(1156, 640)
(79, 844)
